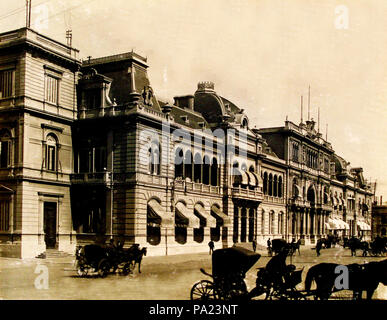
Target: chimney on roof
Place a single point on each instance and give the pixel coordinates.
(184, 101)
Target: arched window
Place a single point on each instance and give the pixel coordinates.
(275, 184)
(198, 168)
(181, 225)
(236, 225)
(179, 162)
(237, 177)
(265, 183)
(325, 196)
(280, 187)
(188, 161)
(311, 196)
(154, 159)
(206, 170)
(199, 232)
(251, 224)
(295, 189)
(214, 172)
(5, 149)
(243, 224)
(244, 123)
(270, 184)
(280, 222)
(51, 153)
(153, 231)
(271, 222)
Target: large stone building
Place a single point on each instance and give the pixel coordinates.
(38, 78)
(88, 152)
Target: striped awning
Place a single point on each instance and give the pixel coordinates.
(157, 216)
(337, 224)
(218, 213)
(240, 178)
(363, 226)
(185, 217)
(210, 220)
(252, 179)
(327, 226)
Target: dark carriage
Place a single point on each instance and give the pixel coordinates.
(229, 267)
(277, 245)
(105, 259)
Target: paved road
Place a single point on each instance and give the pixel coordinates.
(162, 278)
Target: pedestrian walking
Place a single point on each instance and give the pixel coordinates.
(269, 247)
(318, 247)
(254, 245)
(211, 245)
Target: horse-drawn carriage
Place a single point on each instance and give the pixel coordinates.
(374, 248)
(229, 267)
(277, 245)
(103, 260)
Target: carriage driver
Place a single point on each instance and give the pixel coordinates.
(276, 267)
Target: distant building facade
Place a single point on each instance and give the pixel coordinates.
(88, 152)
(379, 219)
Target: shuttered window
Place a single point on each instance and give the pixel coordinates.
(4, 215)
(7, 88)
(52, 89)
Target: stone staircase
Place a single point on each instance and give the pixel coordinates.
(54, 253)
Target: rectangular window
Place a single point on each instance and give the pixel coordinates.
(52, 89)
(93, 98)
(51, 158)
(4, 154)
(4, 215)
(7, 87)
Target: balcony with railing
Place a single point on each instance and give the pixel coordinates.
(248, 194)
(189, 186)
(299, 202)
(271, 199)
(120, 110)
(91, 178)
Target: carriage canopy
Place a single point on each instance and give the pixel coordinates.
(233, 260)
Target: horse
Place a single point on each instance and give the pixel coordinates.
(296, 247)
(354, 244)
(134, 254)
(138, 257)
(378, 246)
(361, 277)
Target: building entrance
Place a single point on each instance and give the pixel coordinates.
(50, 224)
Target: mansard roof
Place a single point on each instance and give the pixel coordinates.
(119, 68)
(187, 117)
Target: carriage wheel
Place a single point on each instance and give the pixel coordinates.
(81, 269)
(103, 268)
(203, 290)
(128, 268)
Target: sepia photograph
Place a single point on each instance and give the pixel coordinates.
(218, 151)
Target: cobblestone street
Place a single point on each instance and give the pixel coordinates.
(162, 278)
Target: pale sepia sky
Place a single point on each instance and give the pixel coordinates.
(261, 54)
